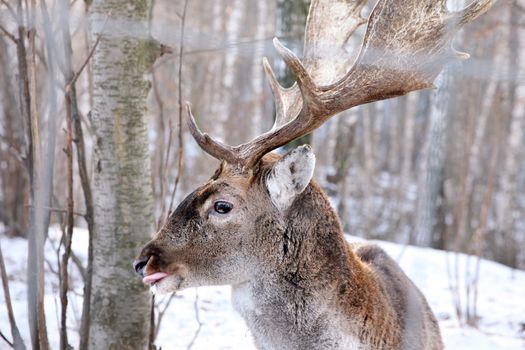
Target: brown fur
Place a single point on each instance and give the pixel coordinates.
(296, 281)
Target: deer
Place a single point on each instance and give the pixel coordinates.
(262, 225)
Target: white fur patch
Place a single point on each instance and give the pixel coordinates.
(242, 299)
(290, 176)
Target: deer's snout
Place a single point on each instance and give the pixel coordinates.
(140, 264)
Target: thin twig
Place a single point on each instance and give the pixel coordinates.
(10, 9)
(9, 35)
(197, 318)
(15, 153)
(151, 335)
(88, 58)
(18, 343)
(68, 237)
(88, 202)
(78, 263)
(161, 313)
(40, 166)
(58, 210)
(160, 145)
(180, 151)
(84, 64)
(51, 266)
(6, 340)
(480, 232)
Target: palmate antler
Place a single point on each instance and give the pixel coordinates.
(406, 45)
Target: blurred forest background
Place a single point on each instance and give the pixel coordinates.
(443, 168)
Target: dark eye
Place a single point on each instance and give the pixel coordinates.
(222, 207)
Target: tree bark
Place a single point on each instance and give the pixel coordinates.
(122, 190)
(13, 212)
(473, 165)
(231, 58)
(432, 164)
(507, 212)
(257, 77)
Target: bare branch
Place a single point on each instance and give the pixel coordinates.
(78, 263)
(88, 58)
(10, 9)
(479, 234)
(180, 151)
(163, 158)
(18, 343)
(58, 210)
(161, 313)
(78, 139)
(84, 64)
(15, 153)
(9, 35)
(6, 340)
(68, 236)
(197, 318)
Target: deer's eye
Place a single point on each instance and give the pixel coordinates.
(222, 207)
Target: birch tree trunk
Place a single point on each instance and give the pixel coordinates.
(473, 169)
(214, 71)
(432, 163)
(257, 77)
(369, 151)
(231, 58)
(123, 211)
(507, 213)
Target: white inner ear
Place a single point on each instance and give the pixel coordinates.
(290, 176)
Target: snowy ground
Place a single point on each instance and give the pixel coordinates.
(501, 301)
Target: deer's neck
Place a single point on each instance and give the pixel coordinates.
(315, 293)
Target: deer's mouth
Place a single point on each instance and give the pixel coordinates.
(163, 282)
(154, 278)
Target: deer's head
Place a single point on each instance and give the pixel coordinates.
(219, 230)
(214, 235)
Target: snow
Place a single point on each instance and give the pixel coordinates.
(501, 303)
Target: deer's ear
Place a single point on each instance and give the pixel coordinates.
(290, 176)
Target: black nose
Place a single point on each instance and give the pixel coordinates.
(139, 265)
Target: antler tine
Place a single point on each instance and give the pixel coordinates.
(329, 26)
(474, 10)
(304, 81)
(330, 39)
(213, 147)
(288, 102)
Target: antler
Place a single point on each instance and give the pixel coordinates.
(406, 45)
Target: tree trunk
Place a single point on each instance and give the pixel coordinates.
(122, 190)
(231, 59)
(13, 184)
(432, 164)
(369, 165)
(473, 166)
(257, 77)
(507, 213)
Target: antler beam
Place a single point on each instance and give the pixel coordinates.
(406, 45)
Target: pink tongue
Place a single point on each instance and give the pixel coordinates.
(157, 276)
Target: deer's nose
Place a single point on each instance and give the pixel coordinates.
(140, 264)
